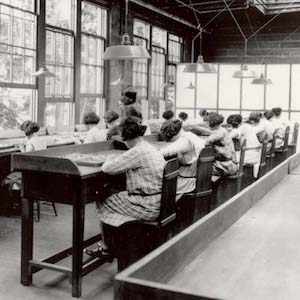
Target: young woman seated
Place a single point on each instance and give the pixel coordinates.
(279, 126)
(199, 127)
(144, 166)
(244, 131)
(187, 146)
(95, 134)
(33, 143)
(225, 163)
(168, 115)
(133, 112)
(111, 120)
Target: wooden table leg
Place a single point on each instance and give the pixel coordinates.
(27, 240)
(78, 231)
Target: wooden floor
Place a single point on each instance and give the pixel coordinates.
(256, 258)
(51, 235)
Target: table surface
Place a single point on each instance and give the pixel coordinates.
(257, 257)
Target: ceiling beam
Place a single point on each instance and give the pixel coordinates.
(163, 13)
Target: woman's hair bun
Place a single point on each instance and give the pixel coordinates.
(170, 129)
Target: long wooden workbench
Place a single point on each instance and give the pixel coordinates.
(229, 254)
(52, 175)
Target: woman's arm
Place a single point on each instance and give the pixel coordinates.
(131, 159)
(179, 146)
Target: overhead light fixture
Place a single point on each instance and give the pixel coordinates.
(190, 86)
(126, 50)
(200, 67)
(43, 72)
(244, 73)
(262, 80)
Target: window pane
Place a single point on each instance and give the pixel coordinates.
(60, 13)
(141, 29)
(15, 107)
(157, 73)
(17, 69)
(23, 4)
(174, 48)
(153, 109)
(185, 97)
(17, 31)
(57, 114)
(5, 67)
(96, 105)
(92, 65)
(295, 117)
(93, 19)
(207, 90)
(278, 91)
(59, 59)
(229, 87)
(253, 94)
(295, 90)
(159, 37)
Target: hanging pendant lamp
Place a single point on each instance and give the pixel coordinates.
(190, 86)
(262, 80)
(244, 73)
(200, 67)
(126, 50)
(43, 72)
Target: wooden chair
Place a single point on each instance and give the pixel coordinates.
(263, 160)
(192, 206)
(284, 148)
(271, 153)
(241, 162)
(295, 138)
(38, 208)
(134, 239)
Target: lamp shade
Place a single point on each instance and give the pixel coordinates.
(200, 67)
(43, 72)
(126, 52)
(190, 86)
(244, 73)
(261, 80)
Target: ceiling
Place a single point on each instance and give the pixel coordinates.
(203, 11)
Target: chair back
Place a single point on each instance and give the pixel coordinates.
(295, 137)
(241, 162)
(286, 139)
(263, 159)
(204, 172)
(242, 158)
(273, 144)
(168, 195)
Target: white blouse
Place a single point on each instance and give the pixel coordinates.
(35, 144)
(96, 134)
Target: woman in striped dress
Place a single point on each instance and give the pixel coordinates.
(187, 146)
(144, 166)
(225, 163)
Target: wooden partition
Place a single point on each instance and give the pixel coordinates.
(149, 278)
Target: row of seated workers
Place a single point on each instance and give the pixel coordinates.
(144, 164)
